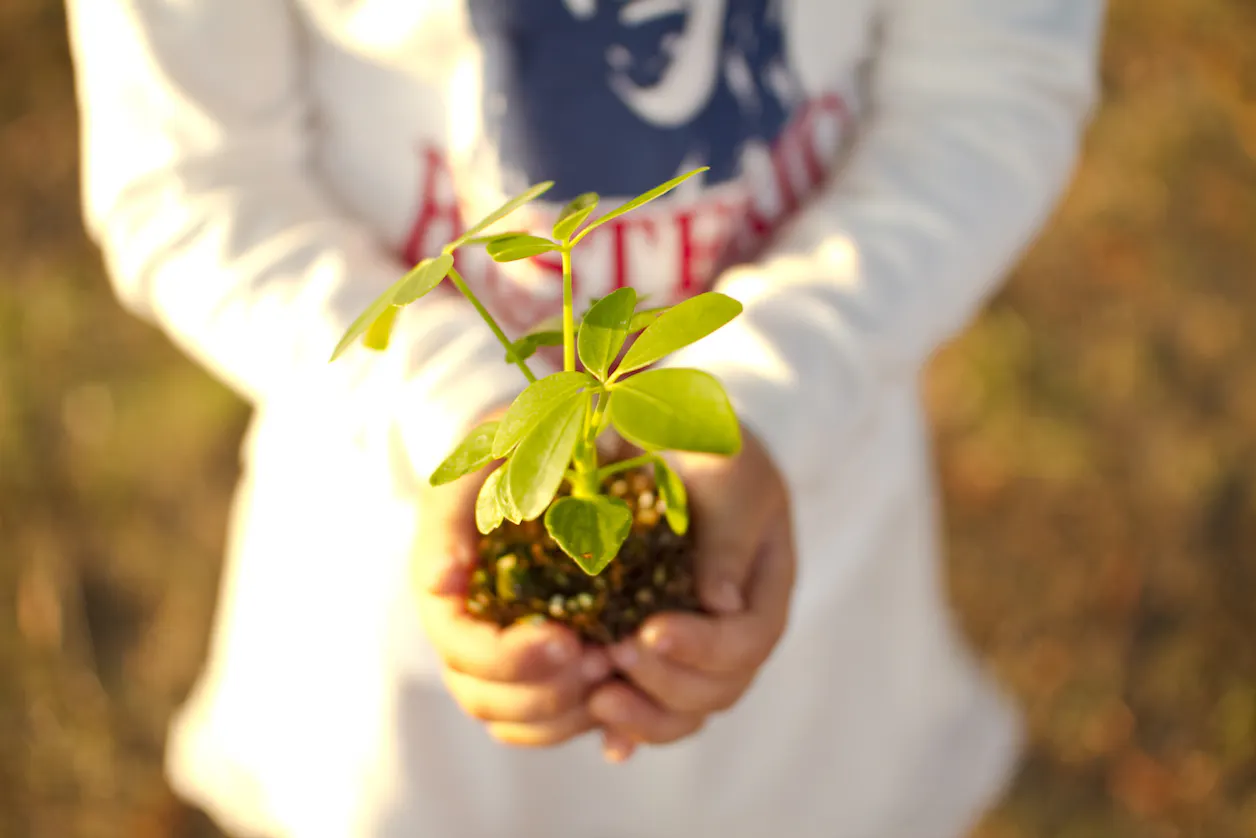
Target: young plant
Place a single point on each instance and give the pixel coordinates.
(549, 434)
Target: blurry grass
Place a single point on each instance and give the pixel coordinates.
(1096, 435)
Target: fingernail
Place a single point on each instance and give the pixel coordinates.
(726, 597)
(617, 749)
(624, 655)
(656, 639)
(557, 651)
(594, 668)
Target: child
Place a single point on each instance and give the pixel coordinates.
(256, 171)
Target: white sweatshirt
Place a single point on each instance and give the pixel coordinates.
(256, 171)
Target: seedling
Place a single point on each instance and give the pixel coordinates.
(548, 436)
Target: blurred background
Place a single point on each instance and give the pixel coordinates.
(1096, 432)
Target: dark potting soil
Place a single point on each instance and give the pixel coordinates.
(523, 575)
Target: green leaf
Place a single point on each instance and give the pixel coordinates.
(548, 332)
(531, 194)
(365, 320)
(488, 238)
(590, 530)
(526, 346)
(405, 290)
(640, 200)
(505, 500)
(679, 326)
(380, 332)
(515, 246)
(472, 454)
(604, 329)
(422, 278)
(644, 318)
(574, 214)
(675, 498)
(488, 508)
(675, 409)
(538, 464)
(535, 403)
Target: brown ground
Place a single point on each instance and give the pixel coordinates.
(1097, 434)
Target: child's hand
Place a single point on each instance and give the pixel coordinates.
(529, 684)
(684, 667)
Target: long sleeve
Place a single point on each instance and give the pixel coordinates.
(196, 140)
(977, 107)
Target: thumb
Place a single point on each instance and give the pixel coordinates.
(727, 532)
(446, 551)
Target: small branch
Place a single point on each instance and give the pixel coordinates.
(626, 465)
(603, 423)
(461, 285)
(569, 325)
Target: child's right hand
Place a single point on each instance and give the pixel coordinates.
(528, 683)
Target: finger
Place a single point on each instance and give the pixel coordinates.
(523, 653)
(616, 747)
(446, 569)
(628, 712)
(775, 569)
(732, 521)
(444, 574)
(727, 645)
(494, 701)
(544, 734)
(677, 688)
(714, 646)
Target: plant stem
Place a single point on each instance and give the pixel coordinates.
(461, 285)
(604, 419)
(625, 465)
(569, 324)
(585, 483)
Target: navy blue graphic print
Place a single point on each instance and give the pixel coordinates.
(616, 96)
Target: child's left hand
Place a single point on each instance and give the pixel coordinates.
(683, 668)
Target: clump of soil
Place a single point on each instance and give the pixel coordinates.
(523, 575)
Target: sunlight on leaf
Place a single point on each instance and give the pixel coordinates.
(679, 326)
(380, 332)
(604, 329)
(674, 496)
(365, 320)
(644, 318)
(574, 214)
(418, 281)
(533, 405)
(501, 212)
(425, 276)
(677, 410)
(488, 509)
(640, 200)
(514, 247)
(486, 239)
(505, 500)
(542, 457)
(472, 454)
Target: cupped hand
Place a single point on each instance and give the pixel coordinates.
(528, 683)
(680, 669)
